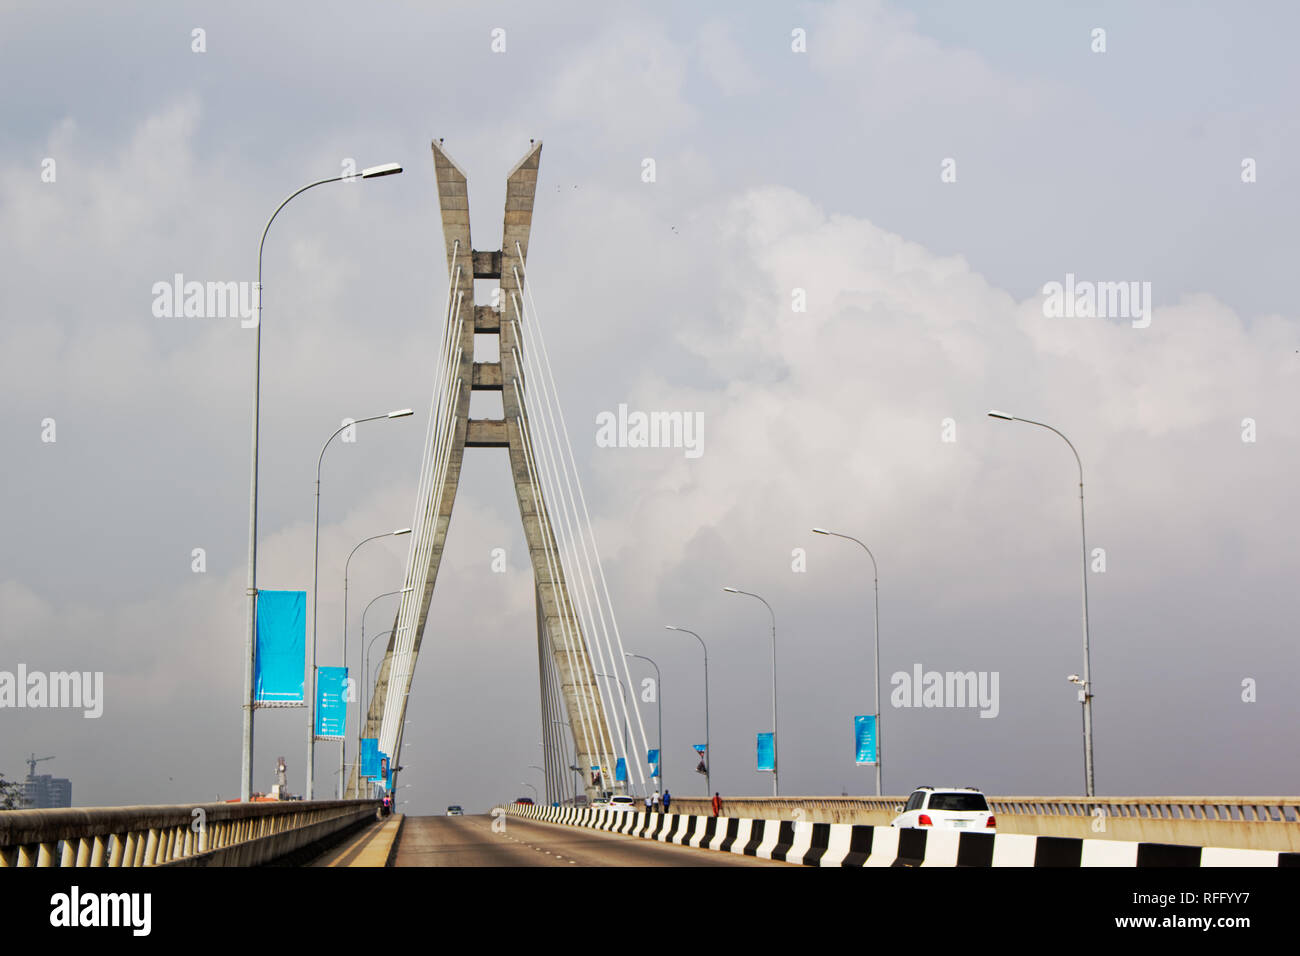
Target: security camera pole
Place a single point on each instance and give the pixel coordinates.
(1086, 683)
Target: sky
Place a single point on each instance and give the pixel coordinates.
(842, 263)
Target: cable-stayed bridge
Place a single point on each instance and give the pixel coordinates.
(577, 631)
(588, 726)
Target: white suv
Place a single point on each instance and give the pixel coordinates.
(622, 804)
(951, 808)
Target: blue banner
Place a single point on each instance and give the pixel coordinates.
(331, 702)
(281, 658)
(766, 753)
(370, 757)
(652, 756)
(620, 770)
(864, 733)
(700, 748)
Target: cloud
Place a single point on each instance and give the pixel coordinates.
(625, 85)
(723, 61)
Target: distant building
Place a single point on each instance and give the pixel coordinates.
(44, 791)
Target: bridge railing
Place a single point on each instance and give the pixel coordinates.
(206, 834)
(1253, 823)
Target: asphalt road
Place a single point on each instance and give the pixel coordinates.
(469, 841)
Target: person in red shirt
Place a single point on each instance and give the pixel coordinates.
(717, 805)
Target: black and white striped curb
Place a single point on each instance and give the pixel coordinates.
(848, 844)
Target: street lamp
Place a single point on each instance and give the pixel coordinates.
(1085, 684)
(315, 562)
(366, 683)
(627, 747)
(708, 749)
(776, 786)
(533, 766)
(366, 665)
(875, 575)
(346, 565)
(250, 643)
(659, 699)
(573, 766)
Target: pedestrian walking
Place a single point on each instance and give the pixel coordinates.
(655, 801)
(668, 798)
(647, 804)
(717, 805)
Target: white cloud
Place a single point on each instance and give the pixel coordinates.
(624, 85)
(723, 61)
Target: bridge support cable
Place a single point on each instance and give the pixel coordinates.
(554, 752)
(432, 433)
(563, 430)
(433, 475)
(559, 741)
(544, 376)
(578, 543)
(596, 737)
(553, 492)
(569, 540)
(599, 732)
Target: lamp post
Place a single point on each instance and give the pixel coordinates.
(875, 577)
(250, 643)
(346, 565)
(659, 699)
(371, 691)
(315, 568)
(573, 766)
(533, 766)
(365, 667)
(776, 786)
(1085, 695)
(708, 748)
(627, 751)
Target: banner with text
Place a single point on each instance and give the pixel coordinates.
(331, 703)
(864, 733)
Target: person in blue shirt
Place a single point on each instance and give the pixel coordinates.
(668, 798)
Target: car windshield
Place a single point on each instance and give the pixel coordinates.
(958, 801)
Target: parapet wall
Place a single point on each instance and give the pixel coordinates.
(1250, 823)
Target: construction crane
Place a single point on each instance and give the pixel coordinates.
(32, 761)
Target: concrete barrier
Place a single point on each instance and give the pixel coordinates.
(1247, 823)
(205, 834)
(848, 844)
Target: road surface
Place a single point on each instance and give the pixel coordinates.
(469, 841)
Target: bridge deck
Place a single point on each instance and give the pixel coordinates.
(373, 846)
(470, 841)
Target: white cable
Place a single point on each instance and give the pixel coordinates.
(430, 437)
(597, 741)
(564, 538)
(580, 539)
(564, 431)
